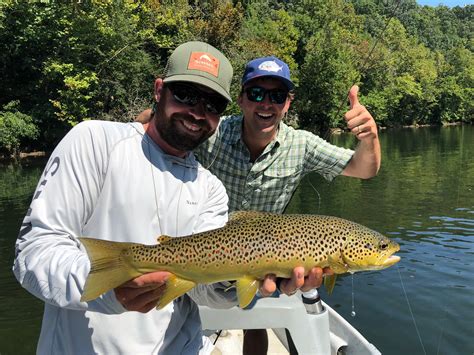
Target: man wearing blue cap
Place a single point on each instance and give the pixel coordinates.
(261, 160)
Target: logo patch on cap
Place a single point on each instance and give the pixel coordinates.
(270, 66)
(205, 62)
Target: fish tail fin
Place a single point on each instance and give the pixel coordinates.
(109, 267)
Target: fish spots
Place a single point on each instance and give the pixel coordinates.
(264, 240)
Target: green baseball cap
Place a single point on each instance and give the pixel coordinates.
(200, 63)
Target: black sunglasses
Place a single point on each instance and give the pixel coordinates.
(190, 95)
(257, 94)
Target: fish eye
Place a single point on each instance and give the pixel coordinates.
(383, 245)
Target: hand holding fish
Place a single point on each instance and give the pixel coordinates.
(299, 281)
(358, 118)
(143, 292)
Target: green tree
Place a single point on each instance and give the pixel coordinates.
(456, 87)
(68, 63)
(16, 128)
(331, 58)
(64, 62)
(217, 22)
(403, 81)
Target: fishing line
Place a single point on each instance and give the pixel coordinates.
(442, 330)
(147, 138)
(179, 197)
(353, 313)
(317, 192)
(218, 141)
(411, 312)
(112, 57)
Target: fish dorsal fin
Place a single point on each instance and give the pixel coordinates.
(246, 290)
(163, 239)
(241, 216)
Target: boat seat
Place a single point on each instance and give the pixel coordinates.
(309, 332)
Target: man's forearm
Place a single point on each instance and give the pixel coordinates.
(365, 163)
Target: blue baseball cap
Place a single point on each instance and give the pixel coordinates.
(268, 66)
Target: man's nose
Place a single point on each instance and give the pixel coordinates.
(266, 100)
(199, 110)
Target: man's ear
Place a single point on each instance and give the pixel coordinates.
(158, 89)
(240, 100)
(287, 105)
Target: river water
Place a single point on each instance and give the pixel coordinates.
(423, 198)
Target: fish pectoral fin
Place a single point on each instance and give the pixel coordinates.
(337, 266)
(329, 283)
(162, 239)
(175, 287)
(246, 290)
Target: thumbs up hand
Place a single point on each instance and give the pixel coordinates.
(359, 121)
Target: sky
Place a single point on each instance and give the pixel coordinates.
(450, 3)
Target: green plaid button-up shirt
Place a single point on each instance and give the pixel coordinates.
(268, 183)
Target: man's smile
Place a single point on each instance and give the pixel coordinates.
(191, 126)
(267, 116)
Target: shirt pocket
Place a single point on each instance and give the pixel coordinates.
(278, 185)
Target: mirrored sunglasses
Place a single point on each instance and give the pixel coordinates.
(190, 95)
(257, 94)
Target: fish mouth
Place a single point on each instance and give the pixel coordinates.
(392, 259)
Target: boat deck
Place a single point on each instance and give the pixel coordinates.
(230, 343)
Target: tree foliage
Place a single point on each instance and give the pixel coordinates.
(15, 128)
(331, 60)
(64, 62)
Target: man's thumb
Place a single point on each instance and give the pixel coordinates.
(353, 99)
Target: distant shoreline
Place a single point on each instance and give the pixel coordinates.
(35, 154)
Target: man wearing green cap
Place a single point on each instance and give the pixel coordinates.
(130, 183)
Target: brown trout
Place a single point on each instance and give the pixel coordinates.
(251, 245)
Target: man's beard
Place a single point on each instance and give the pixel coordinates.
(177, 137)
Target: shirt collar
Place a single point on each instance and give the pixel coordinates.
(232, 131)
(188, 161)
(282, 133)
